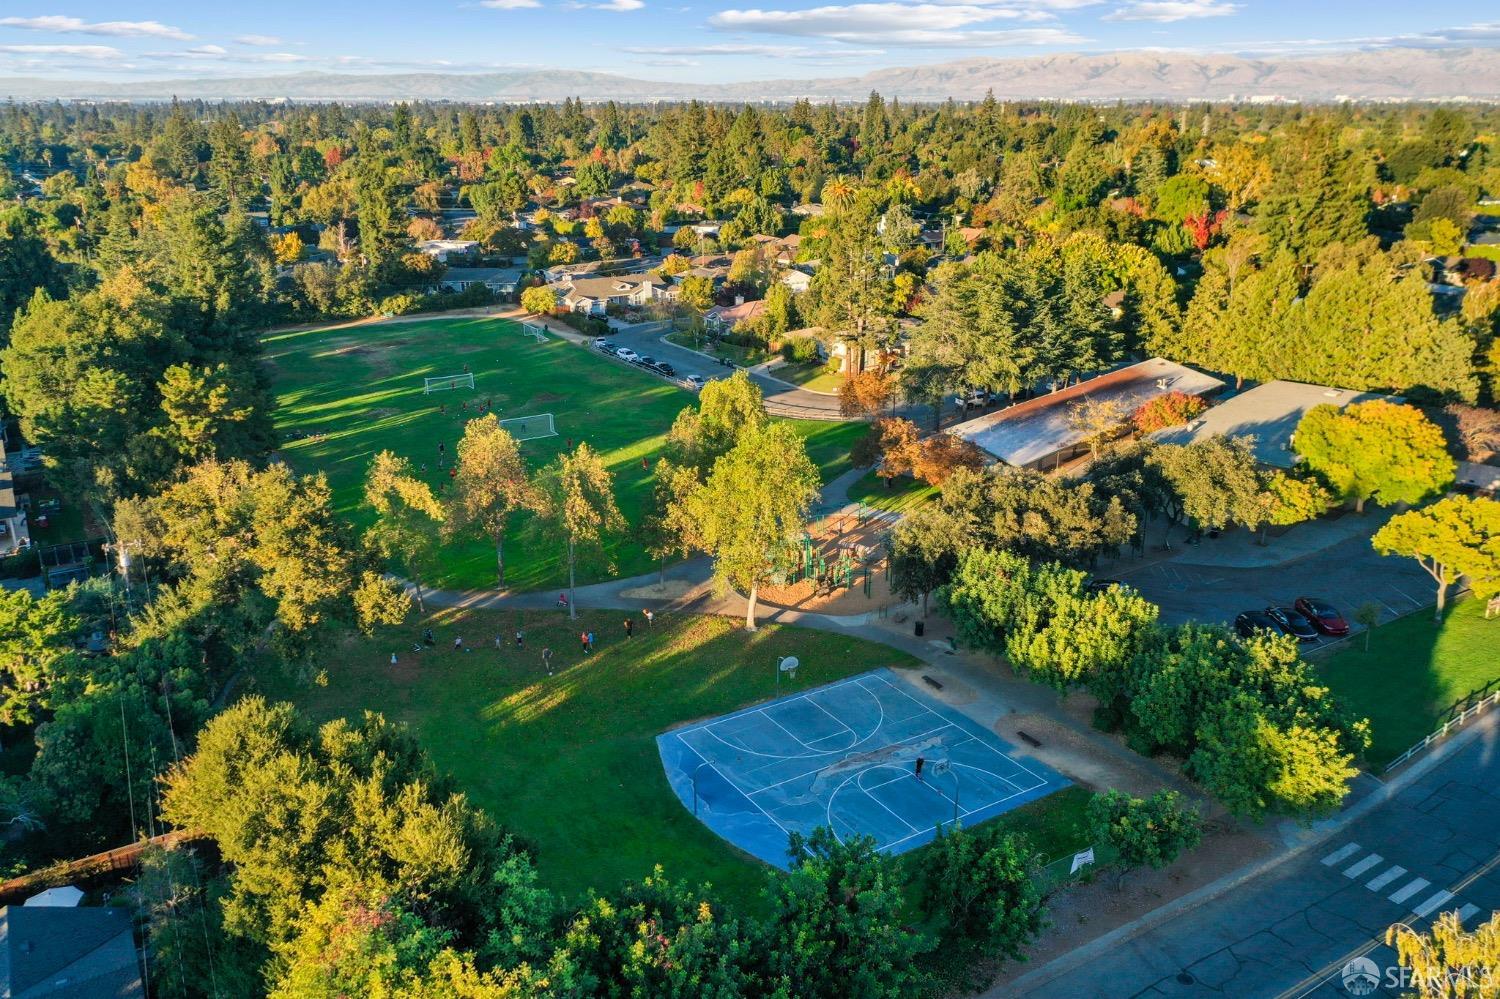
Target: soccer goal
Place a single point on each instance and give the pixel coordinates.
(536, 331)
(527, 428)
(447, 382)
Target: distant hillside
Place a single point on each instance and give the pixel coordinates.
(1385, 74)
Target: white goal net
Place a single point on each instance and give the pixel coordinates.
(448, 382)
(536, 331)
(526, 428)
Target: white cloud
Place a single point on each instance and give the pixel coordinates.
(1171, 10)
(80, 51)
(509, 4)
(620, 6)
(926, 25)
(58, 24)
(208, 50)
(259, 41)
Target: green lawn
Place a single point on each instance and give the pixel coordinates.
(360, 388)
(1413, 672)
(903, 495)
(569, 761)
(740, 355)
(814, 377)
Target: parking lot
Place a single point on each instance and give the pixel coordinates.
(1346, 574)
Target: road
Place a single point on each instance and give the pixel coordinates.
(1290, 932)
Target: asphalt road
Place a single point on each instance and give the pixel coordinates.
(1290, 933)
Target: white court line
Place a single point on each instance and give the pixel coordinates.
(877, 801)
(713, 723)
(1437, 901)
(1342, 853)
(710, 764)
(793, 736)
(1364, 865)
(1409, 890)
(1377, 883)
(818, 770)
(837, 721)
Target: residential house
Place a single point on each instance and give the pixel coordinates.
(594, 295)
(62, 952)
(500, 280)
(1270, 413)
(14, 532)
(808, 210)
(1038, 433)
(724, 318)
(442, 250)
(558, 273)
(798, 281)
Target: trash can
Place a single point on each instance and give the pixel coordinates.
(920, 627)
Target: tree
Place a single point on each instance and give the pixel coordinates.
(1292, 499)
(924, 551)
(835, 930)
(986, 889)
(211, 413)
(1456, 536)
(491, 485)
(541, 300)
(697, 291)
(1375, 450)
(1448, 962)
(1170, 410)
(892, 443)
(1039, 517)
(727, 409)
(408, 517)
(943, 454)
(579, 508)
(852, 292)
(287, 248)
(659, 530)
(1099, 421)
(866, 394)
(1367, 616)
(1214, 481)
(751, 512)
(35, 635)
(1145, 832)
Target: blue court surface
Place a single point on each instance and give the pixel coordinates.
(844, 756)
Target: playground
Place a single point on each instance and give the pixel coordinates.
(870, 755)
(842, 568)
(346, 392)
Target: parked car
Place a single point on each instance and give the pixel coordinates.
(666, 369)
(605, 346)
(1100, 585)
(1248, 623)
(1323, 615)
(1291, 621)
(646, 361)
(626, 354)
(972, 398)
(694, 382)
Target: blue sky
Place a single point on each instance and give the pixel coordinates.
(707, 40)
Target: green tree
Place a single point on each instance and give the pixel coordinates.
(541, 300)
(1456, 536)
(1446, 961)
(924, 551)
(490, 486)
(1144, 832)
(985, 889)
(1375, 450)
(751, 511)
(1214, 482)
(728, 409)
(835, 930)
(578, 508)
(1037, 516)
(35, 635)
(408, 518)
(1292, 499)
(851, 288)
(697, 291)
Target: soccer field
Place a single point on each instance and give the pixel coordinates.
(345, 393)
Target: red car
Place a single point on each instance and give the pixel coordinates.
(1322, 615)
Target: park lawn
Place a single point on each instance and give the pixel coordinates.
(569, 762)
(902, 496)
(739, 354)
(1413, 672)
(814, 377)
(358, 389)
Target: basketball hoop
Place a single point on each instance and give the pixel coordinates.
(943, 766)
(787, 665)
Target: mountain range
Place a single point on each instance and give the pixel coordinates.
(1382, 74)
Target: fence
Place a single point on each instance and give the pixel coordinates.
(121, 858)
(1459, 714)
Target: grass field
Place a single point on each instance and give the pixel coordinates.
(737, 353)
(570, 761)
(814, 377)
(1413, 672)
(904, 495)
(358, 390)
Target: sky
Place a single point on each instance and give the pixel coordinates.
(696, 40)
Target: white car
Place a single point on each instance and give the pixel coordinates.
(694, 382)
(626, 354)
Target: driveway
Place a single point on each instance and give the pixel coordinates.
(1348, 573)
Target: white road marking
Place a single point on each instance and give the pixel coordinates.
(1434, 903)
(1382, 880)
(1467, 912)
(1342, 853)
(1410, 890)
(1363, 865)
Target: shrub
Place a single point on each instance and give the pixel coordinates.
(1170, 410)
(800, 350)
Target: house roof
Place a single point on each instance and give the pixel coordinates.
(607, 287)
(1032, 430)
(732, 314)
(65, 953)
(482, 274)
(1269, 413)
(446, 245)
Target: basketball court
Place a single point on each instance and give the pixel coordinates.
(844, 756)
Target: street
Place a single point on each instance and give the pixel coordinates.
(1290, 932)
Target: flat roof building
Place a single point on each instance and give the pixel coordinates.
(1269, 413)
(1036, 433)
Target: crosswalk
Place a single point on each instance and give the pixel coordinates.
(1405, 888)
